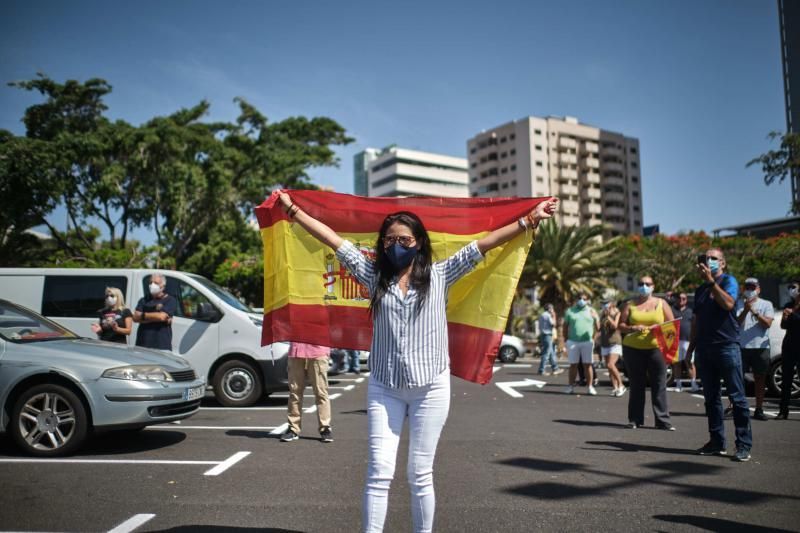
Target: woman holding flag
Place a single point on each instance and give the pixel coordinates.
(409, 365)
(641, 354)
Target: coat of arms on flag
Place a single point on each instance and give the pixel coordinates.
(667, 336)
(310, 297)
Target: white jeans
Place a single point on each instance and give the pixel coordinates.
(387, 408)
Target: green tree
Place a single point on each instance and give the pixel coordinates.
(192, 182)
(778, 164)
(566, 260)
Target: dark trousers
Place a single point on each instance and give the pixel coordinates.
(717, 362)
(638, 364)
(789, 362)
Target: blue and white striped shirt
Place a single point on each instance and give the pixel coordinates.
(409, 345)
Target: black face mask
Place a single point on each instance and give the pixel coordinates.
(400, 256)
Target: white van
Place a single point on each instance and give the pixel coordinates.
(217, 334)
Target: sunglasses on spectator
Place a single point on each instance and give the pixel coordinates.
(404, 240)
(750, 286)
(790, 287)
(712, 257)
(643, 283)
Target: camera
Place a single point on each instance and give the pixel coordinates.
(701, 259)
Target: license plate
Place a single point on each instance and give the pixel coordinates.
(194, 393)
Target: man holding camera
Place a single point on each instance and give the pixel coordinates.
(715, 339)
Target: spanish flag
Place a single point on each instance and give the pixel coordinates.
(310, 297)
(667, 336)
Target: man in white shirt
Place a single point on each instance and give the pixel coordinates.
(755, 318)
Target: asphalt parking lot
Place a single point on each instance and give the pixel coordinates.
(517, 457)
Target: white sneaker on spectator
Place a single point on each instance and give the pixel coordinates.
(621, 391)
(592, 391)
(569, 390)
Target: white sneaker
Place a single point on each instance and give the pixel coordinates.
(614, 392)
(592, 391)
(569, 390)
(558, 371)
(621, 391)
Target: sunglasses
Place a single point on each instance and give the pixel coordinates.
(791, 287)
(643, 283)
(404, 240)
(750, 286)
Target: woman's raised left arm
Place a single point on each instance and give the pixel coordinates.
(502, 235)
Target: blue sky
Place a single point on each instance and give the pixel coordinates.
(698, 82)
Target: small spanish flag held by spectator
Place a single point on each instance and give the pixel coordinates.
(667, 336)
(310, 297)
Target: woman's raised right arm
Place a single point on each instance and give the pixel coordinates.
(316, 228)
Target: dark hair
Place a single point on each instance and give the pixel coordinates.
(421, 267)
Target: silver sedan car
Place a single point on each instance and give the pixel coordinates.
(56, 388)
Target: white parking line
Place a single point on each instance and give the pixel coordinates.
(107, 461)
(280, 429)
(211, 427)
(132, 523)
(243, 408)
(226, 464)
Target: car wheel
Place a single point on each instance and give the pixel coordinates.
(49, 420)
(237, 384)
(508, 354)
(775, 380)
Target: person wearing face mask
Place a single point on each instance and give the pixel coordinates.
(611, 345)
(642, 356)
(715, 344)
(682, 311)
(408, 362)
(755, 318)
(790, 321)
(116, 320)
(154, 316)
(581, 325)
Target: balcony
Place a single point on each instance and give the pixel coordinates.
(587, 162)
(569, 207)
(613, 167)
(614, 197)
(566, 143)
(567, 159)
(590, 146)
(592, 177)
(614, 212)
(588, 193)
(592, 209)
(568, 173)
(614, 180)
(571, 190)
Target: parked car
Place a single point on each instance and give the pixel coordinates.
(56, 387)
(219, 335)
(510, 349)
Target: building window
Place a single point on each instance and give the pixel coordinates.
(636, 208)
(512, 136)
(503, 155)
(473, 179)
(635, 194)
(634, 179)
(538, 163)
(538, 147)
(505, 186)
(474, 164)
(634, 165)
(513, 168)
(502, 139)
(504, 170)
(472, 150)
(513, 151)
(537, 132)
(513, 183)
(539, 179)
(633, 150)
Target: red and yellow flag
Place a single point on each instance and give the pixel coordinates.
(310, 297)
(667, 336)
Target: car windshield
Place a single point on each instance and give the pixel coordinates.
(224, 295)
(21, 325)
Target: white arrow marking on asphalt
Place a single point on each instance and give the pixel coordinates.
(507, 387)
(226, 464)
(132, 523)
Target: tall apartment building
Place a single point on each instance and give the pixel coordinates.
(594, 172)
(397, 171)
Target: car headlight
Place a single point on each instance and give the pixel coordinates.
(138, 373)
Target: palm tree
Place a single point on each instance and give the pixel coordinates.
(566, 260)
